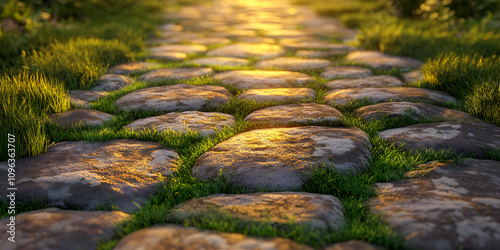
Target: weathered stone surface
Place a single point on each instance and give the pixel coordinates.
(278, 94)
(317, 45)
(380, 60)
(343, 96)
(86, 95)
(320, 53)
(415, 110)
(205, 123)
(463, 137)
(82, 98)
(234, 33)
(220, 61)
(110, 82)
(413, 76)
(281, 158)
(245, 50)
(316, 211)
(174, 74)
(293, 63)
(83, 117)
(170, 236)
(353, 245)
(258, 26)
(453, 206)
(129, 68)
(168, 55)
(170, 27)
(346, 72)
(365, 82)
(301, 113)
(88, 174)
(285, 33)
(177, 97)
(184, 48)
(211, 40)
(255, 39)
(62, 229)
(251, 79)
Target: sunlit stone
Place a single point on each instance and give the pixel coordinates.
(292, 63)
(380, 60)
(86, 175)
(248, 79)
(365, 82)
(445, 208)
(129, 68)
(317, 45)
(245, 50)
(110, 82)
(278, 95)
(80, 117)
(465, 138)
(281, 158)
(301, 113)
(220, 61)
(346, 72)
(174, 74)
(184, 48)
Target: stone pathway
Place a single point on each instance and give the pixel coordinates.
(255, 49)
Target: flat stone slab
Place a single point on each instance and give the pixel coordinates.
(344, 96)
(278, 94)
(211, 40)
(317, 45)
(234, 33)
(245, 50)
(415, 110)
(86, 175)
(111, 82)
(258, 26)
(62, 229)
(134, 67)
(315, 211)
(452, 207)
(413, 76)
(281, 158)
(170, 236)
(177, 97)
(205, 123)
(254, 79)
(365, 82)
(170, 27)
(82, 98)
(184, 48)
(465, 138)
(174, 74)
(353, 245)
(293, 63)
(346, 72)
(168, 55)
(255, 39)
(320, 53)
(220, 61)
(301, 113)
(285, 33)
(380, 60)
(80, 117)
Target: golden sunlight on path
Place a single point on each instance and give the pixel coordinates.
(289, 72)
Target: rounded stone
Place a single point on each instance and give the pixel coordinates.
(302, 113)
(170, 236)
(168, 55)
(415, 110)
(291, 63)
(346, 72)
(257, 26)
(234, 33)
(177, 97)
(174, 74)
(220, 61)
(184, 48)
(380, 60)
(252, 79)
(320, 53)
(82, 98)
(83, 117)
(86, 175)
(466, 138)
(111, 82)
(211, 40)
(62, 229)
(204, 123)
(278, 95)
(344, 96)
(365, 82)
(135, 67)
(282, 158)
(447, 207)
(285, 33)
(317, 45)
(314, 211)
(255, 39)
(245, 50)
